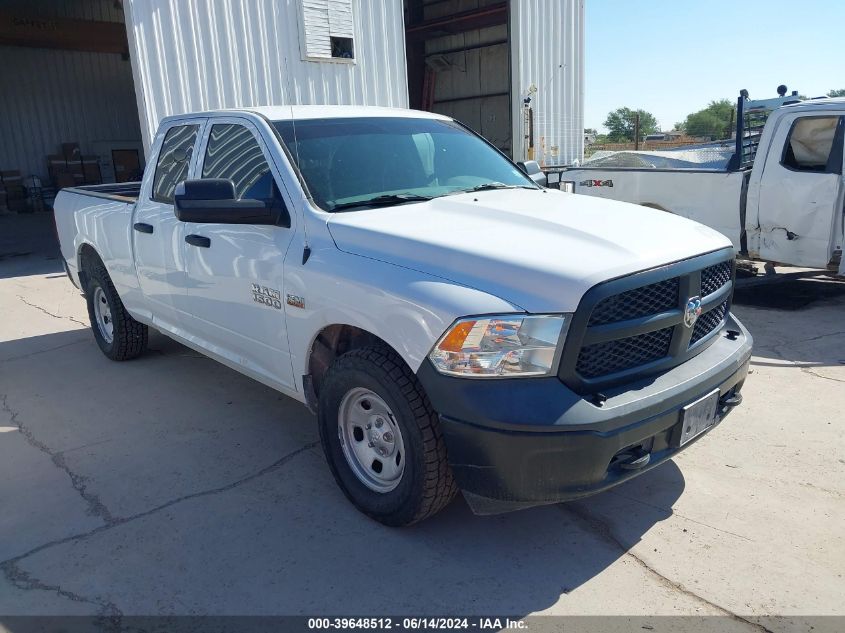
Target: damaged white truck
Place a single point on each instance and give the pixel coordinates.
(453, 324)
(779, 196)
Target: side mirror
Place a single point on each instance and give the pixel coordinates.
(531, 168)
(213, 200)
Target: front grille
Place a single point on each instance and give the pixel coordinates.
(614, 356)
(638, 322)
(714, 277)
(708, 322)
(639, 302)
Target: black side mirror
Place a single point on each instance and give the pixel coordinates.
(531, 168)
(213, 200)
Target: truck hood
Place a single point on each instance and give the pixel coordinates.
(539, 250)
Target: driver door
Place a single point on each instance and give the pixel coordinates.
(800, 210)
(234, 272)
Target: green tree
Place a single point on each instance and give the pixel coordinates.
(621, 124)
(713, 121)
(837, 93)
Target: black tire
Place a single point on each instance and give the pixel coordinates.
(427, 485)
(129, 336)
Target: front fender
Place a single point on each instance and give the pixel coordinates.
(407, 309)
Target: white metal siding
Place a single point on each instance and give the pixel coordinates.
(52, 96)
(191, 55)
(547, 49)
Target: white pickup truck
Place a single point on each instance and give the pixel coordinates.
(781, 198)
(453, 324)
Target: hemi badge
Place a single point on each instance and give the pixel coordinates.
(296, 302)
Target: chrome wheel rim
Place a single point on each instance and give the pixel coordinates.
(371, 440)
(102, 314)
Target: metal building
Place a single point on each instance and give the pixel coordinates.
(202, 55)
(86, 81)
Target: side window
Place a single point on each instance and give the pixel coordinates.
(233, 153)
(809, 145)
(173, 161)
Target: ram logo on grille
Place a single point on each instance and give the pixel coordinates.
(692, 311)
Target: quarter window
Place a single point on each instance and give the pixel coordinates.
(234, 153)
(173, 161)
(810, 142)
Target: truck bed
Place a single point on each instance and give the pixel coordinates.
(101, 216)
(713, 197)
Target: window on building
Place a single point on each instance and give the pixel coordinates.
(328, 29)
(234, 153)
(809, 145)
(173, 161)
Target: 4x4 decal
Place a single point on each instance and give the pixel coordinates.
(596, 183)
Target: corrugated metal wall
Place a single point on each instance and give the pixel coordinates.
(49, 96)
(547, 49)
(191, 55)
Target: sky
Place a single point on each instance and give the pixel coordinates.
(672, 58)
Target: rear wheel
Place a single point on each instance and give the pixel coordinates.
(119, 336)
(382, 439)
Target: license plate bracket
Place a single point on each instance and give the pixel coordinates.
(699, 416)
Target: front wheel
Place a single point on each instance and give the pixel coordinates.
(382, 439)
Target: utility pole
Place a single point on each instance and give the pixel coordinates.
(637, 131)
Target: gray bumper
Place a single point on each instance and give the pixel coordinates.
(520, 442)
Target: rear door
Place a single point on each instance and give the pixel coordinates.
(157, 234)
(235, 283)
(801, 191)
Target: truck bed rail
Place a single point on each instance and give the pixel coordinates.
(123, 191)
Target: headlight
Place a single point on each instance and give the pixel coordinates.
(506, 345)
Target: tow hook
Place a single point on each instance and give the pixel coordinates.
(636, 460)
(731, 400)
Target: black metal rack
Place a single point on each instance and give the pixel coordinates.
(751, 118)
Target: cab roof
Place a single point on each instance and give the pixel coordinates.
(824, 102)
(300, 112)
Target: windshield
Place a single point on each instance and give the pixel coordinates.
(352, 163)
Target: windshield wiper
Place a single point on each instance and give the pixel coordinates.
(380, 201)
(489, 186)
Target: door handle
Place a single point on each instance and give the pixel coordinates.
(143, 227)
(198, 240)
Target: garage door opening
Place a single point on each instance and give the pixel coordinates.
(68, 109)
(459, 64)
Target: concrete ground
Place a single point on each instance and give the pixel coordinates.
(173, 485)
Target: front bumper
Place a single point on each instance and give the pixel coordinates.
(516, 443)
